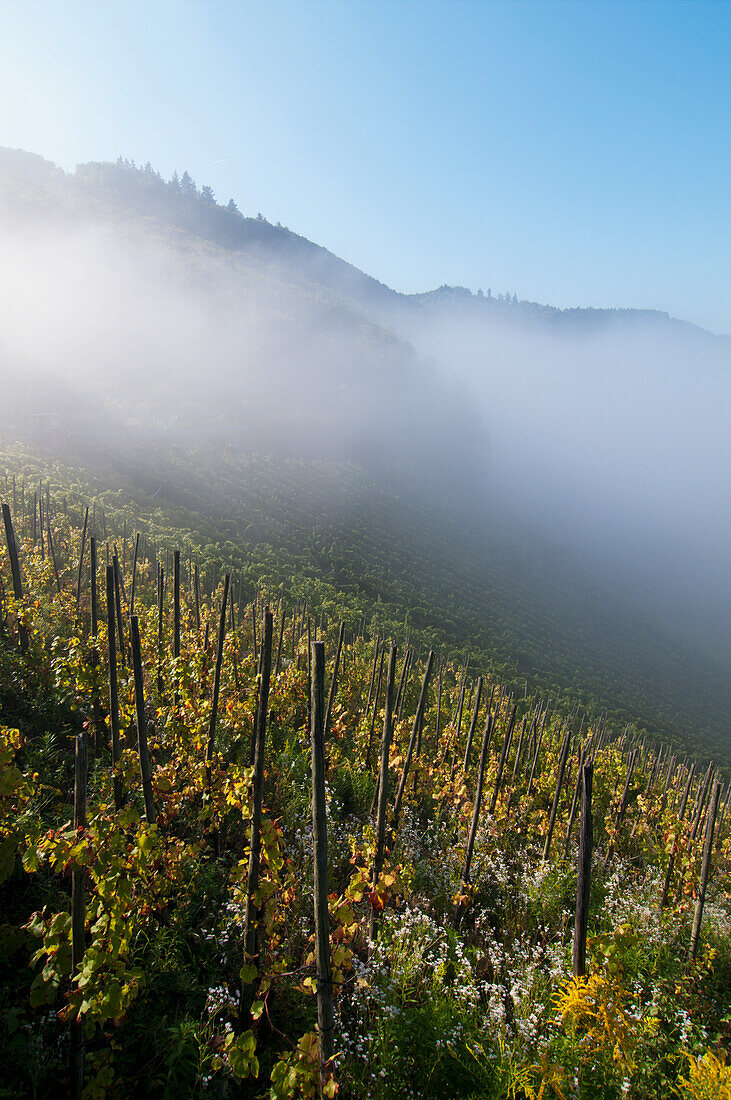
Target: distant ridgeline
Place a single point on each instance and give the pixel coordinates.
(123, 188)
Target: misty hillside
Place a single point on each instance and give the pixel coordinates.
(242, 345)
(553, 481)
(124, 189)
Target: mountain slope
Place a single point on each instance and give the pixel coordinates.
(142, 193)
(157, 341)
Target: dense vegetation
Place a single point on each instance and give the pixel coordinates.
(331, 533)
(452, 977)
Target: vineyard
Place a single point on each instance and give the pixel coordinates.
(262, 842)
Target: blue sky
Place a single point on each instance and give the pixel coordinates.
(573, 153)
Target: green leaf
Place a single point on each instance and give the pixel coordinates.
(248, 973)
(241, 1056)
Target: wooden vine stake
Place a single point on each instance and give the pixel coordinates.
(325, 1019)
(281, 641)
(466, 867)
(52, 552)
(252, 938)
(253, 629)
(622, 806)
(503, 757)
(197, 595)
(118, 607)
(372, 723)
(176, 603)
(373, 676)
(97, 711)
(676, 839)
(383, 782)
(705, 869)
(584, 754)
(78, 915)
(583, 884)
(217, 678)
(144, 752)
(81, 558)
(415, 732)
(160, 625)
(334, 681)
(134, 575)
(473, 724)
(113, 688)
(15, 570)
(557, 794)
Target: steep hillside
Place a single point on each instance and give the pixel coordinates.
(330, 533)
(158, 342)
(122, 189)
(166, 793)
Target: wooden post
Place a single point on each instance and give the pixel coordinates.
(674, 851)
(118, 605)
(557, 795)
(325, 1020)
(113, 689)
(519, 751)
(197, 592)
(81, 558)
(503, 755)
(334, 681)
(234, 644)
(94, 601)
(486, 735)
(418, 721)
(52, 552)
(253, 629)
(160, 624)
(373, 676)
(539, 742)
(281, 642)
(252, 938)
(701, 801)
(217, 677)
(705, 869)
(583, 884)
(96, 703)
(577, 795)
(473, 723)
(383, 780)
(374, 711)
(719, 836)
(78, 915)
(134, 575)
(176, 603)
(623, 804)
(15, 571)
(145, 773)
(402, 678)
(457, 717)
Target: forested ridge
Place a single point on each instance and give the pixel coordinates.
(125, 189)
